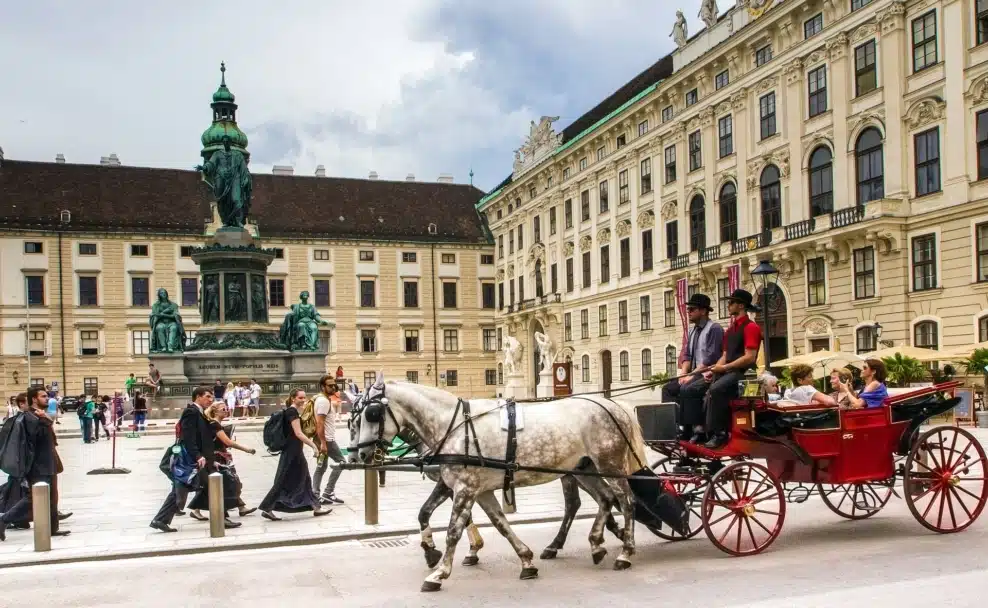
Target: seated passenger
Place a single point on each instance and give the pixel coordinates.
(804, 393)
(770, 385)
(838, 376)
(874, 392)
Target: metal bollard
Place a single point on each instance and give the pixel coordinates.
(370, 497)
(217, 515)
(41, 501)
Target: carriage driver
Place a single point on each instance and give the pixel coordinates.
(704, 345)
(741, 343)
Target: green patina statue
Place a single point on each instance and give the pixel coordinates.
(300, 330)
(226, 173)
(167, 331)
(236, 298)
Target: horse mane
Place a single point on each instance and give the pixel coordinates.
(430, 392)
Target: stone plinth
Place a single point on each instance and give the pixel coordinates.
(544, 387)
(515, 387)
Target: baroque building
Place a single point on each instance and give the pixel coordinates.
(403, 271)
(844, 141)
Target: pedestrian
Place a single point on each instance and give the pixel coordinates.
(327, 406)
(292, 488)
(153, 380)
(11, 407)
(140, 411)
(86, 409)
(118, 409)
(129, 385)
(52, 409)
(219, 390)
(193, 435)
(230, 396)
(99, 416)
(255, 398)
(232, 485)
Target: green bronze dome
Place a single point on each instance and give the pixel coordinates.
(212, 138)
(224, 121)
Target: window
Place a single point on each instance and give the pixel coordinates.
(36, 343)
(451, 340)
(500, 246)
(90, 386)
(766, 109)
(449, 295)
(982, 137)
(624, 195)
(486, 259)
(696, 151)
(140, 341)
(511, 291)
(489, 340)
(624, 248)
(646, 176)
(924, 262)
(927, 161)
(691, 98)
(586, 270)
(552, 221)
(821, 182)
(856, 4)
(623, 317)
(722, 80)
(866, 340)
(725, 136)
(670, 160)
(817, 83)
(620, 141)
(276, 292)
(537, 229)
(669, 308)
(585, 368)
(279, 253)
(412, 377)
(321, 289)
(865, 68)
(500, 295)
(139, 251)
(554, 278)
(368, 341)
(521, 289)
(698, 224)
(602, 320)
(410, 293)
(583, 163)
(646, 363)
(367, 294)
(89, 342)
(88, 293)
(813, 26)
(672, 369)
(642, 128)
(34, 247)
(672, 239)
(981, 251)
(584, 324)
(647, 251)
(771, 198)
(190, 291)
(366, 256)
(585, 205)
(925, 335)
(816, 282)
(605, 263)
(566, 172)
(983, 329)
(723, 293)
(601, 153)
(90, 249)
(521, 237)
(568, 326)
(925, 41)
(870, 166)
(490, 377)
(602, 196)
(568, 213)
(624, 366)
(532, 192)
(569, 275)
(763, 55)
(486, 295)
(450, 258)
(35, 290)
(982, 10)
(728, 212)
(864, 273)
(321, 255)
(410, 257)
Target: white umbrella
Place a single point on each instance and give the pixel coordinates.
(964, 352)
(923, 355)
(823, 361)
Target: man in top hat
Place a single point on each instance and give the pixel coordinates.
(742, 340)
(704, 346)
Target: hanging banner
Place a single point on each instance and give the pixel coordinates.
(733, 278)
(682, 289)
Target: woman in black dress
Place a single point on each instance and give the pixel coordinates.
(292, 489)
(232, 485)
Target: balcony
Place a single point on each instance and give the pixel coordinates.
(709, 254)
(800, 229)
(751, 243)
(847, 216)
(533, 303)
(679, 262)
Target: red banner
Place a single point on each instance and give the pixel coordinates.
(682, 289)
(734, 278)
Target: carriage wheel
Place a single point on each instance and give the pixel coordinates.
(692, 495)
(944, 480)
(856, 501)
(743, 509)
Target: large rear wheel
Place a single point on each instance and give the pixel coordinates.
(743, 509)
(690, 491)
(858, 500)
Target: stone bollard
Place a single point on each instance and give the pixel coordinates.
(370, 497)
(41, 501)
(217, 515)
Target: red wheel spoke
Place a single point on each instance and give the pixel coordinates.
(740, 531)
(846, 494)
(925, 466)
(755, 502)
(932, 501)
(961, 502)
(720, 519)
(953, 450)
(761, 525)
(960, 459)
(729, 528)
(963, 489)
(940, 512)
(950, 506)
(751, 534)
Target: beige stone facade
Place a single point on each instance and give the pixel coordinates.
(846, 142)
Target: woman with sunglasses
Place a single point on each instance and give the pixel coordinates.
(874, 393)
(232, 486)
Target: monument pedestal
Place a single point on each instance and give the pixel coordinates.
(514, 386)
(544, 387)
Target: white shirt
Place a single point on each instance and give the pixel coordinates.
(324, 407)
(231, 398)
(255, 391)
(802, 395)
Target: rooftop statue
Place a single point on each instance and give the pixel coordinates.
(679, 30)
(226, 173)
(709, 12)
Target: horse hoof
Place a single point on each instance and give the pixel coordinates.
(471, 560)
(429, 587)
(528, 574)
(432, 557)
(548, 554)
(598, 556)
(621, 565)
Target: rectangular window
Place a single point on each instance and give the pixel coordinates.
(646, 363)
(552, 221)
(691, 98)
(623, 317)
(412, 376)
(500, 295)
(89, 342)
(725, 136)
(451, 378)
(723, 292)
(813, 26)
(585, 206)
(409, 257)
(865, 68)
(620, 141)
(625, 253)
(410, 293)
(669, 308)
(645, 306)
(36, 343)
(602, 196)
(537, 229)
(88, 292)
(568, 326)
(816, 283)
(279, 253)
(817, 90)
(532, 192)
(486, 295)
(981, 250)
(925, 262)
(646, 176)
(623, 367)
(448, 258)
(624, 195)
(647, 250)
(766, 108)
(490, 377)
(369, 379)
(605, 263)
(451, 340)
(927, 161)
(925, 41)
(368, 341)
(184, 251)
(521, 289)
(568, 212)
(602, 320)
(90, 249)
(583, 163)
(367, 294)
(411, 340)
(320, 255)
(499, 343)
(553, 278)
(566, 173)
(140, 342)
(34, 247)
(763, 55)
(670, 161)
(667, 113)
(982, 137)
(321, 288)
(696, 151)
(521, 237)
(90, 386)
(642, 128)
(601, 153)
(449, 295)
(276, 292)
(586, 270)
(722, 80)
(190, 291)
(366, 256)
(500, 246)
(569, 275)
(486, 259)
(35, 290)
(672, 239)
(511, 292)
(585, 324)
(982, 17)
(490, 340)
(139, 251)
(864, 273)
(856, 4)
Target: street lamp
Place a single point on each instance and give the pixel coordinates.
(877, 328)
(767, 275)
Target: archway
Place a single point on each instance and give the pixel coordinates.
(778, 322)
(605, 372)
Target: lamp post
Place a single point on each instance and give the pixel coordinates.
(877, 328)
(767, 275)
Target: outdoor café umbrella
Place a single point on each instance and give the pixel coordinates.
(823, 361)
(964, 352)
(923, 355)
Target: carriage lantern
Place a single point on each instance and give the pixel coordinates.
(767, 275)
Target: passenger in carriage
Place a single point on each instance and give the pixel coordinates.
(704, 346)
(874, 393)
(804, 393)
(838, 377)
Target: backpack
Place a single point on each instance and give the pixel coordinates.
(275, 433)
(308, 419)
(81, 411)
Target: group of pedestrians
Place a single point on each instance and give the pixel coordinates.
(245, 395)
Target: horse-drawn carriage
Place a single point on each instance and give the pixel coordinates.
(852, 458)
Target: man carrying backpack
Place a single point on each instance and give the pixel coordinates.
(327, 410)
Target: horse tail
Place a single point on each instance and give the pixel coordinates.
(638, 459)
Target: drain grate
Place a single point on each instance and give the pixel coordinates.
(385, 543)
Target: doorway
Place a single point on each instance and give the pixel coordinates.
(778, 323)
(605, 373)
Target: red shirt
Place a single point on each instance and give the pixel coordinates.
(752, 332)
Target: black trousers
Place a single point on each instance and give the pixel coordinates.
(718, 401)
(21, 510)
(174, 502)
(689, 397)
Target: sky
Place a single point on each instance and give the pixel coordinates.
(394, 86)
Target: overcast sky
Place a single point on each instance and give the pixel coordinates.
(396, 86)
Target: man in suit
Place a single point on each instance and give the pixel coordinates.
(193, 434)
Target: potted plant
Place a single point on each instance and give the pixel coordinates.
(903, 371)
(977, 363)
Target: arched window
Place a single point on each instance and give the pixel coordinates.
(983, 329)
(698, 224)
(871, 166)
(585, 367)
(646, 363)
(866, 339)
(672, 368)
(771, 198)
(821, 182)
(925, 335)
(624, 361)
(728, 213)
(500, 373)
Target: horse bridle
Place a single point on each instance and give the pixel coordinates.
(374, 409)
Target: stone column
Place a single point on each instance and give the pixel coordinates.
(742, 148)
(955, 44)
(896, 64)
(795, 202)
(840, 76)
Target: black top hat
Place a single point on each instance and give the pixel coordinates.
(698, 300)
(744, 297)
